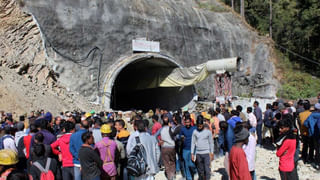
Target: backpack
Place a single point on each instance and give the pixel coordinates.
(2, 140)
(46, 174)
(137, 160)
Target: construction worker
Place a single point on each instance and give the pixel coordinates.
(8, 161)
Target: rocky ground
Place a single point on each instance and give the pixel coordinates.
(266, 168)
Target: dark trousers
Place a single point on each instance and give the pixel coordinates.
(169, 161)
(307, 148)
(67, 173)
(289, 175)
(259, 133)
(317, 151)
(203, 166)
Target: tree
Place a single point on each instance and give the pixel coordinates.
(242, 8)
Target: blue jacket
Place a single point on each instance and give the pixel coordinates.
(187, 133)
(311, 122)
(75, 145)
(230, 134)
(230, 137)
(233, 121)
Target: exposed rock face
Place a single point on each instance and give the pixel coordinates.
(77, 33)
(26, 81)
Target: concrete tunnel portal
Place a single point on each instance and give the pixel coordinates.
(135, 86)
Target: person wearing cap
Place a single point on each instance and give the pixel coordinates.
(202, 147)
(238, 164)
(8, 161)
(107, 149)
(307, 154)
(286, 148)
(313, 125)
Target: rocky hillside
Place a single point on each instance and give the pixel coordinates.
(26, 82)
(31, 76)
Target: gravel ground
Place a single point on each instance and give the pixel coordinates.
(266, 168)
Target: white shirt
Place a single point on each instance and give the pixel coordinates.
(9, 143)
(221, 117)
(250, 150)
(252, 119)
(131, 141)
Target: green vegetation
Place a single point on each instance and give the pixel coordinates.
(295, 83)
(296, 32)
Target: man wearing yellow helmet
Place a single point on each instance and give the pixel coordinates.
(8, 161)
(107, 148)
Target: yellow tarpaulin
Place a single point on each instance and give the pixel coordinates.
(185, 76)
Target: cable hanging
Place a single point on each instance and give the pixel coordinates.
(296, 54)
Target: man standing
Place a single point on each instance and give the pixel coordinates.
(219, 115)
(241, 114)
(202, 146)
(252, 120)
(107, 149)
(168, 152)
(123, 135)
(151, 147)
(156, 125)
(313, 125)
(268, 122)
(238, 164)
(89, 158)
(75, 144)
(186, 137)
(64, 154)
(308, 145)
(258, 113)
(225, 112)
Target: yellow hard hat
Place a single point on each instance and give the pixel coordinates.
(106, 129)
(207, 116)
(8, 157)
(87, 115)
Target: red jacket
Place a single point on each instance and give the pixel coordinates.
(63, 143)
(155, 128)
(286, 153)
(27, 144)
(238, 164)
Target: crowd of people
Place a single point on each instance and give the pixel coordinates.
(136, 145)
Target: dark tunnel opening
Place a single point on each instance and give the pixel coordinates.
(135, 87)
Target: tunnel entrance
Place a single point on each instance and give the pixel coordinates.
(135, 87)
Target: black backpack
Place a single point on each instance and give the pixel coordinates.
(137, 160)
